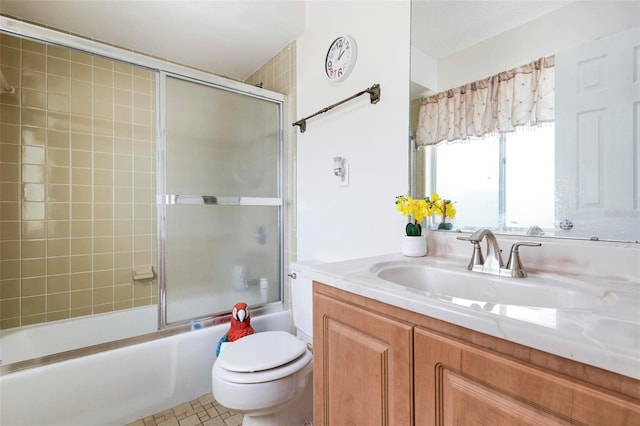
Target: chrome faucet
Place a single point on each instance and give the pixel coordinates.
(493, 263)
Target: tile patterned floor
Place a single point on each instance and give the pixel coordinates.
(204, 411)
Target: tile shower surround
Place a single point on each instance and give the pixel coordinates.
(278, 75)
(62, 295)
(77, 184)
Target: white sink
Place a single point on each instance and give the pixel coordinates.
(542, 291)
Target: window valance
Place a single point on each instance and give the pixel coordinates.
(523, 96)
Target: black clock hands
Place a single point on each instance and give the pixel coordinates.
(338, 65)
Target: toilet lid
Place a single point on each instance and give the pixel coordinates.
(261, 351)
(301, 365)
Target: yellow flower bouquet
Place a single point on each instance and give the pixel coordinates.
(443, 208)
(421, 208)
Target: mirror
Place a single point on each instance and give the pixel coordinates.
(592, 160)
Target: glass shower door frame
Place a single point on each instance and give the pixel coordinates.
(163, 199)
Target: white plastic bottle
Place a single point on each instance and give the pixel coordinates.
(264, 290)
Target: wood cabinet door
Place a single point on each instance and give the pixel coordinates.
(362, 366)
(460, 384)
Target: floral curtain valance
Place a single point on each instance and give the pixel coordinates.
(523, 96)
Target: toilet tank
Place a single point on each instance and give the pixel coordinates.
(302, 305)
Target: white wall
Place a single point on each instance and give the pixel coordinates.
(562, 29)
(359, 220)
(424, 71)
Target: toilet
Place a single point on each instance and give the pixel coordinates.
(267, 376)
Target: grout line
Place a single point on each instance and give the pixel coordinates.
(202, 411)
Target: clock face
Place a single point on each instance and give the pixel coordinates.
(341, 58)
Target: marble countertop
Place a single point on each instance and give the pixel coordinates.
(606, 335)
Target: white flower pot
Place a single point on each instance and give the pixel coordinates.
(414, 246)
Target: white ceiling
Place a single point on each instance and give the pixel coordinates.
(228, 37)
(236, 37)
(442, 27)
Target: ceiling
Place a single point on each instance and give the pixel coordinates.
(440, 28)
(236, 37)
(232, 38)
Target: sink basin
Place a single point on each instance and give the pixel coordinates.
(543, 291)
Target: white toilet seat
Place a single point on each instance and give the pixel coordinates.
(262, 357)
(261, 351)
(265, 375)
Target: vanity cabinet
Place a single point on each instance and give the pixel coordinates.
(459, 384)
(377, 364)
(362, 366)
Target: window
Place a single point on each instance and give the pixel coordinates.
(504, 181)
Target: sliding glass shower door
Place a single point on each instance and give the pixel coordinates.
(222, 201)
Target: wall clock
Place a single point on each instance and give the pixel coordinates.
(341, 58)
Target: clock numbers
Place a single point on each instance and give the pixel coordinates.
(340, 59)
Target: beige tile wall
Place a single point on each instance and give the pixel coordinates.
(76, 192)
(77, 184)
(279, 75)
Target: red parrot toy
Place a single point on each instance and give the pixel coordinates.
(240, 325)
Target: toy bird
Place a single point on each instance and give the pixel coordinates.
(240, 325)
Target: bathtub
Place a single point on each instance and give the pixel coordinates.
(121, 385)
(33, 341)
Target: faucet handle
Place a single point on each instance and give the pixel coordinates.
(476, 257)
(469, 238)
(514, 265)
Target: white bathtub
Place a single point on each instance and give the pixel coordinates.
(121, 385)
(33, 341)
